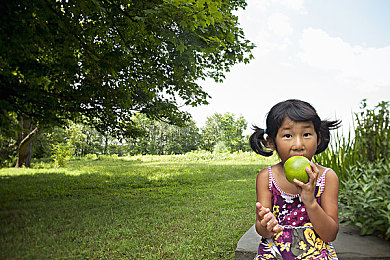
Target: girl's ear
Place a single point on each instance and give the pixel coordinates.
(270, 143)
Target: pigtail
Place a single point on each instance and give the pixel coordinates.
(258, 143)
(325, 128)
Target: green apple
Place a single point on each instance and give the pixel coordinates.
(295, 168)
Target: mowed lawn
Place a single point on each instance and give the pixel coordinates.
(140, 207)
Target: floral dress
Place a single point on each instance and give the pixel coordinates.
(298, 240)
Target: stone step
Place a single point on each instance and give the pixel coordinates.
(349, 245)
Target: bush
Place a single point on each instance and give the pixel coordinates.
(91, 156)
(372, 133)
(370, 144)
(8, 151)
(362, 165)
(206, 156)
(365, 198)
(43, 163)
(107, 157)
(221, 147)
(61, 152)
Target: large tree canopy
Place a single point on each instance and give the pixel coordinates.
(104, 60)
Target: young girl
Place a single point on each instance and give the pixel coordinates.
(296, 221)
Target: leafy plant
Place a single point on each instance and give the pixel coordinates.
(372, 132)
(363, 167)
(371, 142)
(338, 156)
(61, 152)
(220, 147)
(365, 198)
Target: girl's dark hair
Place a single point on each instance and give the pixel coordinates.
(296, 110)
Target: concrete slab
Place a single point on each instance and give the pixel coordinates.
(349, 245)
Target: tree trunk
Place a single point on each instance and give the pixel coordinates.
(25, 143)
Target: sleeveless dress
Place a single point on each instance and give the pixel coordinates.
(298, 240)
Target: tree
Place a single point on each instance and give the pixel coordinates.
(163, 138)
(181, 140)
(104, 60)
(224, 129)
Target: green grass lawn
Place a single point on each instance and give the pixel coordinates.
(141, 207)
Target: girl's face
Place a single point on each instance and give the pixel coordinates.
(295, 138)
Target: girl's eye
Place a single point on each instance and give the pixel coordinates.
(307, 134)
(287, 136)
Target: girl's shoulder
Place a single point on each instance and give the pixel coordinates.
(265, 172)
(328, 174)
(263, 177)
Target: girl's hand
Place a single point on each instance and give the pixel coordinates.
(267, 220)
(307, 190)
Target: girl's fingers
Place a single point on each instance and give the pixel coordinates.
(259, 207)
(311, 174)
(271, 223)
(277, 228)
(315, 172)
(298, 182)
(262, 212)
(266, 220)
(300, 185)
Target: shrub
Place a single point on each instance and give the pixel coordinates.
(61, 152)
(43, 163)
(91, 156)
(370, 144)
(107, 157)
(362, 165)
(372, 133)
(221, 147)
(365, 198)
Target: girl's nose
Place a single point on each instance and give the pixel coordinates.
(298, 143)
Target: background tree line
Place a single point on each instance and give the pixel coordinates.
(221, 133)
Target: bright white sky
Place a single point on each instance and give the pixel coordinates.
(330, 53)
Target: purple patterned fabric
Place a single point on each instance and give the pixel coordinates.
(298, 240)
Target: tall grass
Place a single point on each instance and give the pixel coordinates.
(371, 142)
(372, 133)
(338, 155)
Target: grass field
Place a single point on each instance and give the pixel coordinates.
(192, 206)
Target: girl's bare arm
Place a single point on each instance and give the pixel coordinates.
(266, 223)
(324, 217)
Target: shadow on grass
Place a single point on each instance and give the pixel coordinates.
(126, 209)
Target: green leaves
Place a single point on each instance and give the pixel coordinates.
(224, 130)
(371, 141)
(106, 60)
(365, 197)
(372, 132)
(162, 138)
(362, 164)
